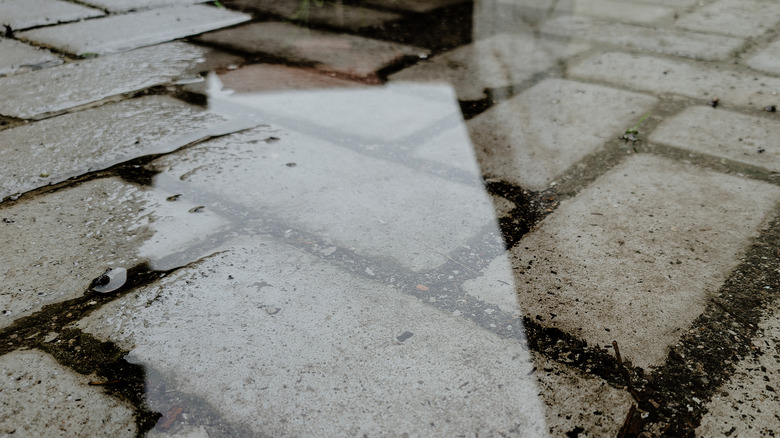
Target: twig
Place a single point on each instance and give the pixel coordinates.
(624, 371)
(628, 422)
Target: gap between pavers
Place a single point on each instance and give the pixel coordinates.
(50, 91)
(749, 403)
(119, 33)
(662, 76)
(498, 61)
(667, 41)
(22, 14)
(336, 14)
(746, 139)
(39, 397)
(537, 135)
(299, 347)
(767, 60)
(634, 257)
(54, 245)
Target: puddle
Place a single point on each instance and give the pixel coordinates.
(321, 244)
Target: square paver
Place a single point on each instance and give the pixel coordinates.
(537, 135)
(498, 61)
(15, 55)
(22, 14)
(119, 33)
(634, 257)
(738, 137)
(47, 92)
(341, 53)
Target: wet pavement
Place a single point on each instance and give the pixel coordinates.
(389, 218)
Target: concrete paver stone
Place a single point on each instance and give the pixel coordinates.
(529, 140)
(747, 405)
(52, 150)
(271, 77)
(22, 14)
(498, 61)
(111, 223)
(119, 33)
(685, 78)
(46, 92)
(15, 55)
(632, 12)
(738, 137)
(301, 380)
(115, 6)
(742, 18)
(39, 397)
(668, 41)
(634, 257)
(334, 14)
(346, 54)
(379, 208)
(767, 59)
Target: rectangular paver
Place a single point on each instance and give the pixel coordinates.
(634, 257)
(42, 93)
(743, 18)
(738, 137)
(338, 354)
(15, 55)
(537, 135)
(767, 59)
(686, 78)
(112, 223)
(346, 54)
(119, 33)
(41, 398)
(21, 14)
(623, 11)
(342, 16)
(668, 41)
(116, 6)
(56, 149)
(499, 61)
(749, 403)
(273, 77)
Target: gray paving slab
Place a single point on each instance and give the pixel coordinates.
(348, 55)
(59, 242)
(537, 135)
(118, 6)
(451, 146)
(331, 14)
(738, 137)
(272, 77)
(50, 91)
(42, 398)
(498, 61)
(375, 207)
(22, 14)
(767, 59)
(742, 18)
(634, 257)
(664, 76)
(15, 56)
(413, 5)
(632, 12)
(381, 116)
(119, 33)
(56, 149)
(667, 41)
(330, 360)
(749, 404)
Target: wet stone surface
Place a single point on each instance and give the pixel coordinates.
(23, 14)
(15, 56)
